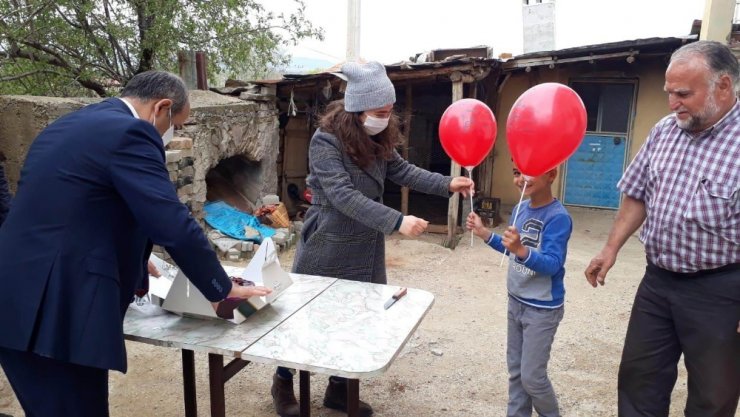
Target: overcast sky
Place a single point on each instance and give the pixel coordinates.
(394, 30)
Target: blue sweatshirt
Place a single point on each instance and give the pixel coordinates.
(538, 279)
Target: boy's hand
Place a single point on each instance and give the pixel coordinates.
(475, 225)
(512, 242)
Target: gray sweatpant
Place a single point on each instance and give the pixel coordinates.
(530, 334)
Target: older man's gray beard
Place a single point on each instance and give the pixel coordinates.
(696, 122)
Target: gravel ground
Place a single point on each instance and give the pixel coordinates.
(455, 363)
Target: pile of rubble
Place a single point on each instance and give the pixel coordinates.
(286, 233)
(235, 250)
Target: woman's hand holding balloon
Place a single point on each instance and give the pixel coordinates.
(462, 185)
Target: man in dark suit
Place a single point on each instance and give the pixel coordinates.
(4, 192)
(93, 196)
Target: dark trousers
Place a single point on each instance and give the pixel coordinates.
(50, 388)
(696, 315)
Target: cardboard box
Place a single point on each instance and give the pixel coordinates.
(178, 295)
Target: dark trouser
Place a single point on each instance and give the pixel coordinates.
(695, 315)
(50, 388)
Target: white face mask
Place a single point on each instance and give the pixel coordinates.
(170, 133)
(374, 125)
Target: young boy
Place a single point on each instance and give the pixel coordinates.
(537, 243)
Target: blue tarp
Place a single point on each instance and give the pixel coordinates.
(231, 222)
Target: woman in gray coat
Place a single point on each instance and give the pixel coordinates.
(350, 156)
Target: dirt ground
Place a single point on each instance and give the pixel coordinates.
(455, 363)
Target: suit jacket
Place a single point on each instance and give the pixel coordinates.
(344, 230)
(94, 193)
(4, 195)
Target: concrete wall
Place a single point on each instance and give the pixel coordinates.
(21, 120)
(650, 107)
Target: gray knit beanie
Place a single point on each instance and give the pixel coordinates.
(368, 86)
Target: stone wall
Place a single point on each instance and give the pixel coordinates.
(219, 126)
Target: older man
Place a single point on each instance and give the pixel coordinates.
(94, 194)
(685, 185)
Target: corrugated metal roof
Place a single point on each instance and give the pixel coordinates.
(407, 68)
(644, 45)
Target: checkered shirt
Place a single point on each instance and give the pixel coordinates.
(690, 184)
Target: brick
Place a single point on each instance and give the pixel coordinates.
(279, 238)
(187, 171)
(183, 181)
(233, 254)
(185, 190)
(173, 156)
(270, 199)
(180, 143)
(184, 162)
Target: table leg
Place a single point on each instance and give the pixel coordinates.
(304, 390)
(188, 383)
(216, 382)
(353, 398)
(218, 375)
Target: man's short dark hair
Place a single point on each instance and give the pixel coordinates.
(718, 56)
(157, 85)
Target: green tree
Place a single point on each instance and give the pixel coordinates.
(76, 47)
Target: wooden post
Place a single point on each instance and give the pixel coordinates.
(452, 207)
(188, 72)
(405, 146)
(201, 67)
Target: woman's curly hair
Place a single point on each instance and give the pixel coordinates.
(362, 149)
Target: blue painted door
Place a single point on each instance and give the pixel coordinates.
(593, 171)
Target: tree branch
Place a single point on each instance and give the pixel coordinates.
(98, 88)
(28, 74)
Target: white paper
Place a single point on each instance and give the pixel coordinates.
(264, 270)
(159, 287)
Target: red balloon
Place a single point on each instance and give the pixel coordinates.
(467, 131)
(545, 127)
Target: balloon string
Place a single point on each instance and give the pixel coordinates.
(518, 206)
(470, 175)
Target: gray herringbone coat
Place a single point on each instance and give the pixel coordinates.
(343, 234)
